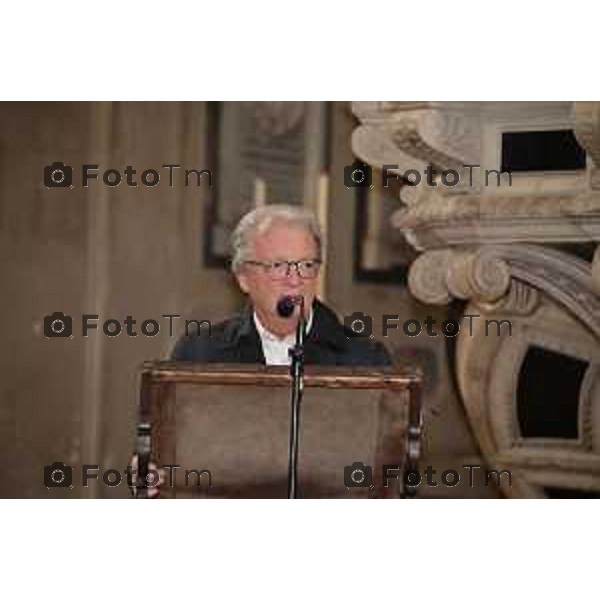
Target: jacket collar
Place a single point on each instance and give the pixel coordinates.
(326, 330)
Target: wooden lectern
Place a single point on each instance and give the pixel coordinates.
(226, 429)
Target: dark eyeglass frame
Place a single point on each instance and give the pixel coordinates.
(270, 265)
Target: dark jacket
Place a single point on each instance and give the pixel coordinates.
(236, 340)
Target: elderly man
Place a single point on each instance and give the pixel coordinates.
(277, 253)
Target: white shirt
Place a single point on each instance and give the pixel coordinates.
(276, 349)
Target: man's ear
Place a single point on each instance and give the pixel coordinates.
(242, 280)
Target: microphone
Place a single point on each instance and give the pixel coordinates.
(286, 305)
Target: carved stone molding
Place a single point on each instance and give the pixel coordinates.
(488, 370)
(548, 298)
(438, 222)
(496, 247)
(486, 274)
(414, 135)
(453, 135)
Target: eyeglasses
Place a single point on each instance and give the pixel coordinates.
(280, 269)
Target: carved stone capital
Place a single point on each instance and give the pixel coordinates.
(438, 275)
(489, 274)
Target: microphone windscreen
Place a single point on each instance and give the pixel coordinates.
(285, 307)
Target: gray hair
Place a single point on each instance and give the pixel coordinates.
(261, 219)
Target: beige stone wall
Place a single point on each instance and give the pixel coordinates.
(111, 251)
(43, 266)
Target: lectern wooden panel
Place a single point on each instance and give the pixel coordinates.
(227, 426)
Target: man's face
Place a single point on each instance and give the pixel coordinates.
(280, 242)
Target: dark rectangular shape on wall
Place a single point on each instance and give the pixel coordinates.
(548, 394)
(261, 153)
(556, 150)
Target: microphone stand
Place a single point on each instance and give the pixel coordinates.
(144, 432)
(297, 372)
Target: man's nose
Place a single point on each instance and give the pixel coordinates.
(293, 276)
